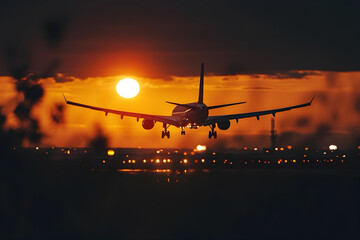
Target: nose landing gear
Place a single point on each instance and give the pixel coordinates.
(182, 131)
(212, 132)
(165, 132)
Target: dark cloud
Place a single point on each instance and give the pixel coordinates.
(57, 113)
(54, 29)
(357, 102)
(61, 78)
(100, 141)
(173, 37)
(303, 122)
(291, 74)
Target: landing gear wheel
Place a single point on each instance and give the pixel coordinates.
(212, 132)
(165, 132)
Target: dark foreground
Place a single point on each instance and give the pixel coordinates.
(46, 201)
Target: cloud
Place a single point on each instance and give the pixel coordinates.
(61, 78)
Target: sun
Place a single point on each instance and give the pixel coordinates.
(128, 88)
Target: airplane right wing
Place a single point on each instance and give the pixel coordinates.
(216, 119)
(157, 118)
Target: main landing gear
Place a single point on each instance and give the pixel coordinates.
(212, 132)
(165, 132)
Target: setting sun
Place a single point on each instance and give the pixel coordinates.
(128, 88)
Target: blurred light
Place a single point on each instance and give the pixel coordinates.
(200, 148)
(103, 161)
(185, 153)
(168, 160)
(157, 160)
(306, 148)
(124, 162)
(202, 160)
(332, 147)
(245, 148)
(281, 149)
(255, 149)
(164, 160)
(344, 156)
(133, 161)
(144, 160)
(214, 160)
(276, 149)
(185, 160)
(37, 148)
(110, 152)
(68, 152)
(289, 147)
(129, 161)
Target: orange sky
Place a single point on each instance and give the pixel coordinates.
(334, 105)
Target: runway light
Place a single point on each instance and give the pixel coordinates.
(103, 161)
(164, 160)
(200, 148)
(37, 148)
(133, 161)
(203, 160)
(332, 147)
(157, 160)
(110, 152)
(144, 161)
(185, 160)
(289, 147)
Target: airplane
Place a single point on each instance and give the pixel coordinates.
(191, 115)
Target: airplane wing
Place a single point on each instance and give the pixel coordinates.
(157, 118)
(216, 119)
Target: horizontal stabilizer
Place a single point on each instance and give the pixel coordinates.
(183, 105)
(224, 105)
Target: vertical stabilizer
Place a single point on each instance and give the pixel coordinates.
(201, 86)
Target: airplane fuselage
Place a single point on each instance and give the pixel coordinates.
(193, 116)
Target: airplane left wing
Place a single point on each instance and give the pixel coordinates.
(158, 118)
(216, 119)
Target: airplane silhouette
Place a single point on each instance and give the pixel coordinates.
(191, 115)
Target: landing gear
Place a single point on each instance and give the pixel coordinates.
(165, 132)
(212, 132)
(182, 131)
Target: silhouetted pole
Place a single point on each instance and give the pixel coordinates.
(273, 134)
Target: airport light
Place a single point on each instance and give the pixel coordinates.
(157, 160)
(200, 148)
(110, 152)
(203, 160)
(333, 147)
(185, 160)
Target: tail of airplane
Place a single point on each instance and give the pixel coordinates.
(201, 86)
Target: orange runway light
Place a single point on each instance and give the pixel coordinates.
(110, 152)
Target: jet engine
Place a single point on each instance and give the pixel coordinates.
(224, 125)
(148, 124)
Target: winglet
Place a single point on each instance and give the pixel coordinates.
(312, 99)
(64, 97)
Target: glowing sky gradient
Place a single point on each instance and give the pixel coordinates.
(335, 106)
